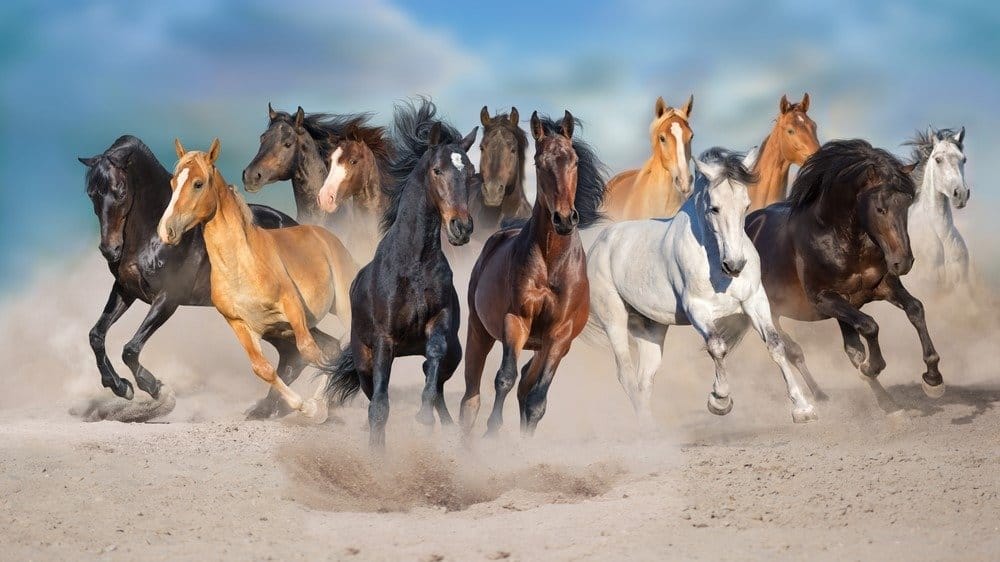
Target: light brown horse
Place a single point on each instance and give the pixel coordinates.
(529, 286)
(662, 185)
(791, 141)
(275, 284)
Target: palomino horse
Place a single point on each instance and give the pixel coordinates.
(660, 187)
(504, 148)
(529, 286)
(404, 301)
(130, 189)
(791, 141)
(271, 284)
(838, 243)
(940, 253)
(697, 268)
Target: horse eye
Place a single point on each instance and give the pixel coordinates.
(513, 151)
(791, 131)
(938, 159)
(715, 210)
(482, 147)
(288, 145)
(198, 184)
(663, 138)
(881, 210)
(353, 162)
(437, 171)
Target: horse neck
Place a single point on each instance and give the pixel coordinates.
(150, 184)
(542, 234)
(417, 228)
(660, 182)
(934, 204)
(772, 169)
(370, 194)
(310, 173)
(229, 231)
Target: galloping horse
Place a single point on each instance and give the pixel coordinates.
(529, 286)
(838, 243)
(939, 250)
(358, 163)
(504, 148)
(270, 284)
(791, 141)
(404, 301)
(664, 182)
(130, 189)
(697, 268)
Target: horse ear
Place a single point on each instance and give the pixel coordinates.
(300, 118)
(783, 105)
(271, 113)
(179, 148)
(515, 117)
(804, 104)
(435, 136)
(214, 150)
(686, 110)
(960, 136)
(88, 162)
(537, 131)
(484, 116)
(567, 125)
(660, 107)
(908, 169)
(469, 139)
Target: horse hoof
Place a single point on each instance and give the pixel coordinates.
(720, 406)
(309, 408)
(124, 390)
(260, 411)
(804, 415)
(934, 392)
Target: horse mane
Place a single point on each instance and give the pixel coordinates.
(923, 144)
(843, 164)
(731, 163)
(411, 131)
(591, 174)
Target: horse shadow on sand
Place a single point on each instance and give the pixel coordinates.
(981, 398)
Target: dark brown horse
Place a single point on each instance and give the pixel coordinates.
(504, 148)
(839, 242)
(529, 287)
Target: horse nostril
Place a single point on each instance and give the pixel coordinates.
(556, 219)
(574, 217)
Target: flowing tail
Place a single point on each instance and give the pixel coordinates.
(344, 381)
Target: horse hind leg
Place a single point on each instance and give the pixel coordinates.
(477, 346)
(647, 338)
(290, 366)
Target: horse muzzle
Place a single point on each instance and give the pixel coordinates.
(252, 181)
(733, 267)
(459, 231)
(111, 252)
(565, 224)
(493, 193)
(899, 266)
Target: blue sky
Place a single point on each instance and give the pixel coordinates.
(74, 76)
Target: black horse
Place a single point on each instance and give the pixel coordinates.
(130, 190)
(404, 301)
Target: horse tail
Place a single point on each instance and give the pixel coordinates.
(344, 380)
(731, 329)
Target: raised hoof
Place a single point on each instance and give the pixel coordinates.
(934, 392)
(720, 406)
(123, 389)
(804, 415)
(309, 408)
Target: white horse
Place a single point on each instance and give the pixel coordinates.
(939, 250)
(698, 268)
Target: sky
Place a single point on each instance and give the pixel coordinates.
(76, 75)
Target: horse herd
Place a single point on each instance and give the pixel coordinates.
(671, 245)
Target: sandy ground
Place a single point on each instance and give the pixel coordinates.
(202, 483)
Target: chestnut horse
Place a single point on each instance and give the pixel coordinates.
(404, 301)
(270, 284)
(529, 287)
(838, 243)
(359, 156)
(129, 190)
(504, 148)
(662, 185)
(791, 141)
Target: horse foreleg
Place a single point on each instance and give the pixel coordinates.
(452, 357)
(117, 304)
(263, 368)
(516, 334)
(435, 350)
(162, 308)
(895, 293)
(798, 358)
(759, 311)
(533, 391)
(701, 316)
(836, 306)
(378, 409)
(291, 306)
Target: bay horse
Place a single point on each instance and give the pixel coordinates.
(840, 241)
(660, 187)
(129, 190)
(697, 268)
(267, 284)
(404, 301)
(791, 141)
(504, 150)
(529, 287)
(940, 253)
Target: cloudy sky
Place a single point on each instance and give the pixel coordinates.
(76, 75)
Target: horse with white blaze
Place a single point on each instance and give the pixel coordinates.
(697, 268)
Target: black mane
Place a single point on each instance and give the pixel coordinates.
(327, 129)
(844, 164)
(591, 173)
(411, 130)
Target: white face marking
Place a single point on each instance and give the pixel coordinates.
(682, 161)
(336, 176)
(456, 159)
(181, 180)
(800, 118)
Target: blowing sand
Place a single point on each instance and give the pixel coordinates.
(200, 482)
